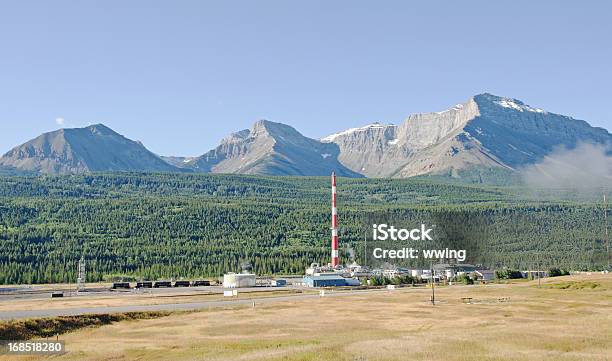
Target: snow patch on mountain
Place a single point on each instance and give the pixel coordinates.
(510, 103)
(332, 137)
(456, 107)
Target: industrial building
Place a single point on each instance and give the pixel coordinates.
(357, 271)
(329, 280)
(237, 280)
(278, 283)
(333, 274)
(485, 275)
(448, 271)
(534, 274)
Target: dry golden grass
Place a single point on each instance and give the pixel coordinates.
(28, 329)
(125, 299)
(553, 322)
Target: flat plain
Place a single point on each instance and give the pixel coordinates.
(566, 318)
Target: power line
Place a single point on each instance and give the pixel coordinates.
(81, 278)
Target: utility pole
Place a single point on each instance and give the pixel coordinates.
(365, 247)
(538, 272)
(433, 292)
(606, 229)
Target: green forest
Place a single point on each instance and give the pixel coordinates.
(161, 226)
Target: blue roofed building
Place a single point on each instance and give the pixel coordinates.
(329, 280)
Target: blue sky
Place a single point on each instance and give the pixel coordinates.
(179, 76)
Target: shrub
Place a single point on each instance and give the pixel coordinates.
(49, 327)
(555, 272)
(465, 279)
(506, 274)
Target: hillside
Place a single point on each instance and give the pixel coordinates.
(485, 132)
(486, 135)
(194, 225)
(270, 148)
(80, 150)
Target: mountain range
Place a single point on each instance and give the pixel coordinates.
(486, 132)
(79, 150)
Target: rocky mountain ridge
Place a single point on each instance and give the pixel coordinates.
(79, 150)
(271, 148)
(485, 132)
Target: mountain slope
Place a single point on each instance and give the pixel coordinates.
(79, 150)
(176, 161)
(273, 149)
(486, 131)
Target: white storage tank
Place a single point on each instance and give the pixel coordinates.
(237, 280)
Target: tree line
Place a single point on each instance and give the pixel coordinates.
(155, 226)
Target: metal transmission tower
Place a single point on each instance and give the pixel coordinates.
(81, 278)
(606, 229)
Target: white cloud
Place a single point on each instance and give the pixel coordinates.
(60, 121)
(584, 171)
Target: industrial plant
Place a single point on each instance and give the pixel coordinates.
(332, 274)
(336, 275)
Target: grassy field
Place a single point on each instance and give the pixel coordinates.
(133, 299)
(567, 318)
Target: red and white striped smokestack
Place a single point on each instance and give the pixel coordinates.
(334, 250)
